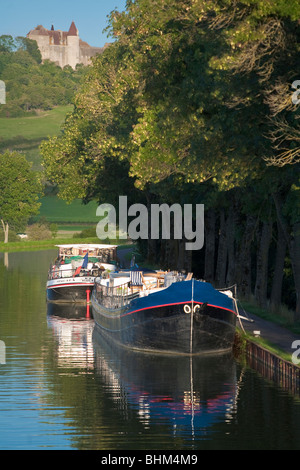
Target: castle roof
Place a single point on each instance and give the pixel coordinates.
(73, 30)
(56, 34)
(40, 30)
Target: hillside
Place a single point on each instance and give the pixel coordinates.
(30, 84)
(25, 134)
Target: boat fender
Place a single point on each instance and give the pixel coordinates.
(187, 309)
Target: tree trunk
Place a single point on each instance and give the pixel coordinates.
(181, 254)
(276, 292)
(151, 250)
(188, 256)
(151, 244)
(244, 258)
(210, 225)
(293, 242)
(5, 230)
(295, 259)
(262, 264)
(222, 252)
(230, 240)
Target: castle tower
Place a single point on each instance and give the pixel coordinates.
(73, 55)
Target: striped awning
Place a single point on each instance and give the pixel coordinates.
(136, 278)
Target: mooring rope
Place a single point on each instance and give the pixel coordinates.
(192, 319)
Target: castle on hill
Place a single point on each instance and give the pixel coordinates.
(63, 47)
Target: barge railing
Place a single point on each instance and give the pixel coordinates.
(114, 297)
(56, 273)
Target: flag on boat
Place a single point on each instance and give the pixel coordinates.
(84, 265)
(77, 271)
(85, 261)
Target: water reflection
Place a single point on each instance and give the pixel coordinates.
(72, 329)
(187, 394)
(63, 387)
(68, 310)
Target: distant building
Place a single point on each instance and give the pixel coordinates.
(63, 47)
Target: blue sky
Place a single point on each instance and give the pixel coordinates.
(18, 17)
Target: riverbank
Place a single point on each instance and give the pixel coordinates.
(271, 350)
(35, 245)
(268, 334)
(32, 245)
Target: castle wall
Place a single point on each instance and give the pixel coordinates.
(68, 49)
(87, 52)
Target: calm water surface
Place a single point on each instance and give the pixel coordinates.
(63, 386)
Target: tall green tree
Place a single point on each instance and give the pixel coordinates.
(20, 189)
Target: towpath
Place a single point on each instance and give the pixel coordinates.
(275, 334)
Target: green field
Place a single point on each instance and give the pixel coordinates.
(58, 211)
(25, 134)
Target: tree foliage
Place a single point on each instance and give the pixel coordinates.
(20, 189)
(193, 102)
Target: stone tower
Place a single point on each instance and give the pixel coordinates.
(63, 47)
(73, 46)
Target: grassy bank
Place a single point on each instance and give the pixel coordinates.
(31, 245)
(28, 245)
(242, 338)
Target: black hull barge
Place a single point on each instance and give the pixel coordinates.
(70, 290)
(188, 317)
(72, 276)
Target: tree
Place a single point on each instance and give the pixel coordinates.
(19, 192)
(31, 47)
(181, 107)
(7, 43)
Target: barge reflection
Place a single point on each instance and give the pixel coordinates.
(72, 329)
(189, 394)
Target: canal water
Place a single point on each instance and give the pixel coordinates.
(62, 386)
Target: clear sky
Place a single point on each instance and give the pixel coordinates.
(18, 17)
